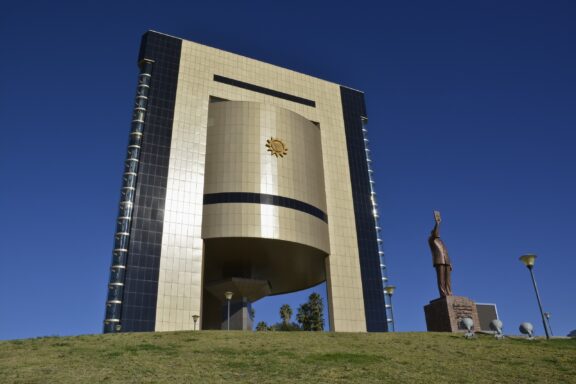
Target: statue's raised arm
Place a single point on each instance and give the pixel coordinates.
(438, 220)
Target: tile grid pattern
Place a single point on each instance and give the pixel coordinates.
(238, 162)
(163, 280)
(123, 222)
(141, 282)
(181, 263)
(374, 304)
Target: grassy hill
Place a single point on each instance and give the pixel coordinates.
(286, 357)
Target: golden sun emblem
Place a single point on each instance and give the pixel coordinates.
(276, 147)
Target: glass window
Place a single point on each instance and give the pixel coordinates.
(123, 225)
(121, 242)
(130, 166)
(117, 275)
(127, 194)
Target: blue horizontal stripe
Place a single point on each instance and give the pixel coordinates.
(260, 198)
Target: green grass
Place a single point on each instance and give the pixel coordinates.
(286, 357)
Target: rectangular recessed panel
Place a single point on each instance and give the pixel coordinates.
(486, 313)
(261, 198)
(266, 91)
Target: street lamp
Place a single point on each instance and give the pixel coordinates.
(389, 290)
(228, 296)
(547, 315)
(528, 261)
(195, 318)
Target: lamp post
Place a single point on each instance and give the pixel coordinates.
(547, 315)
(389, 290)
(195, 318)
(228, 296)
(528, 261)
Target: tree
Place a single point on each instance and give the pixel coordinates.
(262, 326)
(284, 327)
(311, 314)
(285, 313)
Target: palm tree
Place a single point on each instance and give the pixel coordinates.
(311, 314)
(261, 326)
(286, 313)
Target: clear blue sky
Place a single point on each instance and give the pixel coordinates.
(472, 111)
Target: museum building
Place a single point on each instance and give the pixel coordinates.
(247, 179)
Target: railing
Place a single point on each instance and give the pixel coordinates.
(112, 321)
(387, 301)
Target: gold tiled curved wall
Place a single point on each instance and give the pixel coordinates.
(238, 160)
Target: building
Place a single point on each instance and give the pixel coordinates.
(242, 177)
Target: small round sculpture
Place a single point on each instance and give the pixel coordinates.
(496, 326)
(527, 329)
(468, 324)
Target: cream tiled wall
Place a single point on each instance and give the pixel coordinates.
(237, 160)
(264, 221)
(179, 286)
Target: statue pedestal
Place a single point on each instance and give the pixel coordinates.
(445, 314)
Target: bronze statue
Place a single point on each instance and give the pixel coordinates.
(440, 258)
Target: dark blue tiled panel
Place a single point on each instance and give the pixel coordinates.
(354, 110)
(143, 262)
(261, 198)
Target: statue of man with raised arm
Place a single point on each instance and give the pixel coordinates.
(440, 258)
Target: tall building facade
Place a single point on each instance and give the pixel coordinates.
(243, 178)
